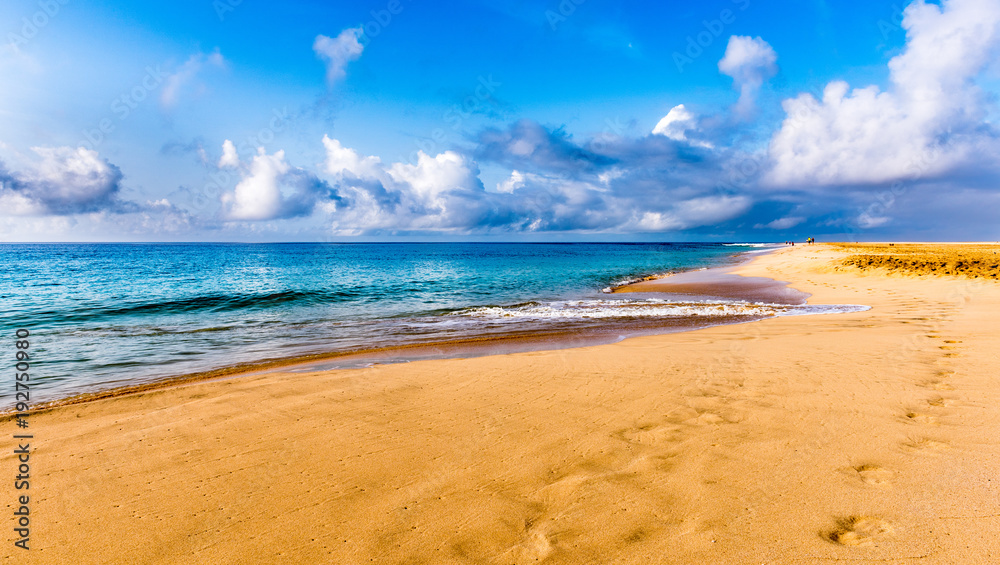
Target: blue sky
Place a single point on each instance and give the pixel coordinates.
(735, 120)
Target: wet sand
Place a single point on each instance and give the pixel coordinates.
(721, 282)
(865, 437)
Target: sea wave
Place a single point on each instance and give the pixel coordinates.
(217, 302)
(649, 308)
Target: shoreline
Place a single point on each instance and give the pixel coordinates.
(720, 282)
(458, 348)
(867, 436)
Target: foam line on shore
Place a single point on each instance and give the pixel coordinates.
(699, 313)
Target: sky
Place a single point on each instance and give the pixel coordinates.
(559, 120)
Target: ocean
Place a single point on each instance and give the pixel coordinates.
(107, 315)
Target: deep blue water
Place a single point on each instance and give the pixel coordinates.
(102, 315)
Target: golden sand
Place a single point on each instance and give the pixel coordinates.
(865, 437)
(968, 260)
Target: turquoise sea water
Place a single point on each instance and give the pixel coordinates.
(103, 315)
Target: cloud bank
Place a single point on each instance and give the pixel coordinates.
(840, 161)
(652, 184)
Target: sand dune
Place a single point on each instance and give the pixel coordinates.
(865, 437)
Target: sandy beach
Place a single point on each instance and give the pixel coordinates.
(864, 437)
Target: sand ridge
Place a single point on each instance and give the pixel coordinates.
(865, 437)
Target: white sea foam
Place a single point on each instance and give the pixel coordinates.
(752, 244)
(626, 282)
(650, 308)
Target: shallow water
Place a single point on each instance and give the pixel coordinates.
(104, 315)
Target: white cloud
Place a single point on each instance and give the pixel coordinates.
(677, 121)
(340, 159)
(339, 51)
(18, 204)
(432, 176)
(930, 120)
(438, 193)
(676, 125)
(749, 61)
(177, 82)
(73, 172)
(66, 180)
(271, 189)
(693, 212)
(443, 193)
(258, 195)
(782, 223)
(229, 157)
(509, 185)
(426, 179)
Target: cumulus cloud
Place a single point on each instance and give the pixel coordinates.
(64, 181)
(556, 184)
(430, 177)
(675, 123)
(339, 51)
(434, 193)
(179, 81)
(931, 119)
(340, 159)
(271, 189)
(229, 159)
(750, 61)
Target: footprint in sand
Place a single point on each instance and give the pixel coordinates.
(535, 547)
(874, 475)
(649, 434)
(921, 418)
(925, 446)
(939, 401)
(859, 530)
(710, 418)
(705, 416)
